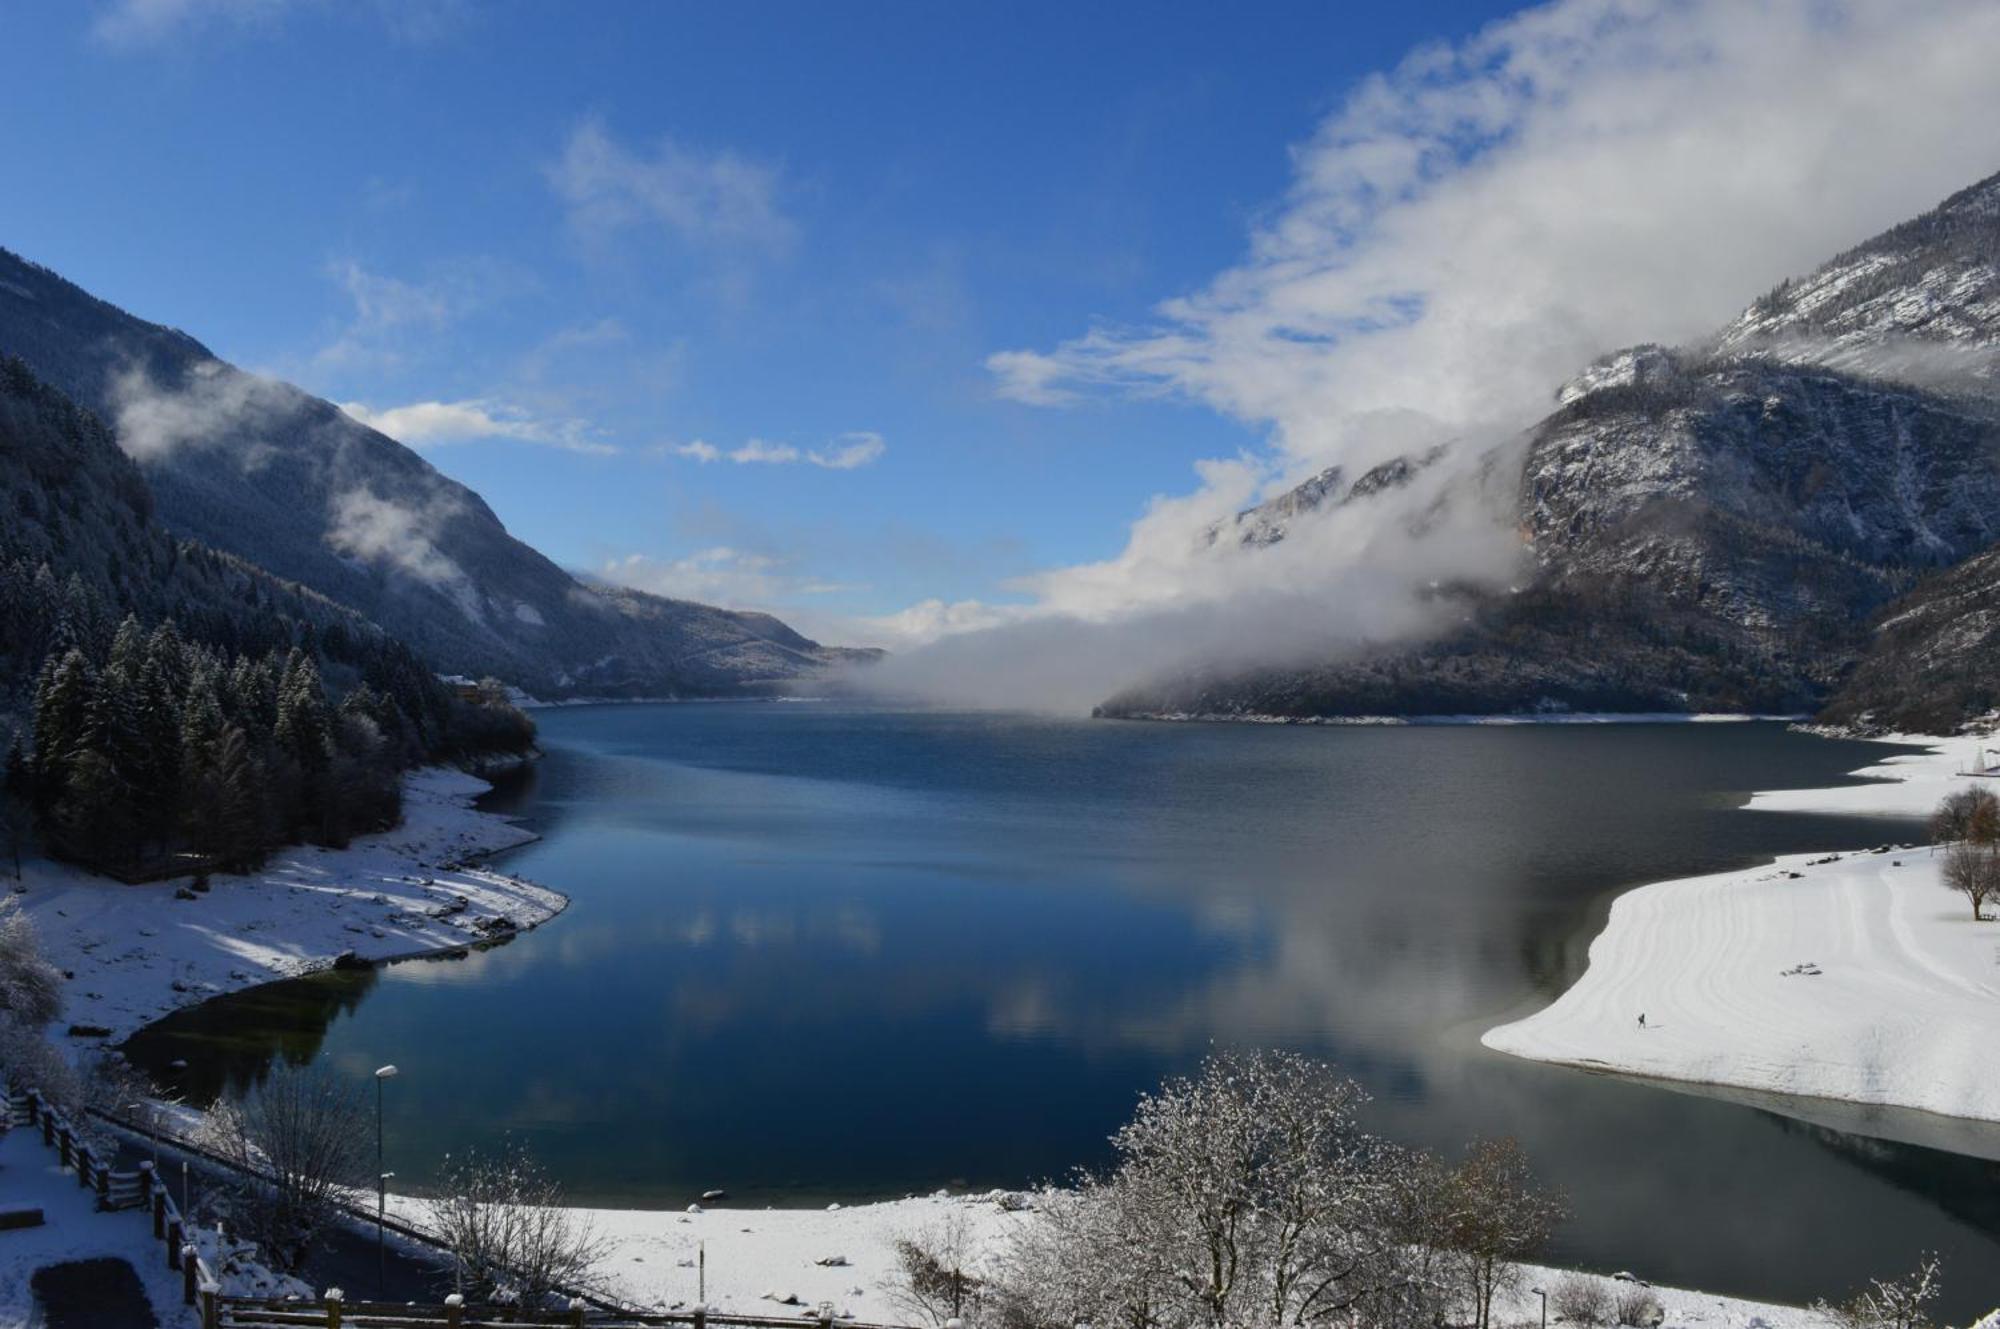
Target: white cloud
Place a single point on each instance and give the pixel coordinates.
(391, 314)
(383, 302)
(132, 24)
(932, 620)
(402, 535)
(1472, 227)
(718, 201)
(427, 423)
(720, 575)
(759, 453)
(141, 22)
(215, 406)
(850, 451)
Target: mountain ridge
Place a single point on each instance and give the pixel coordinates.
(1713, 527)
(261, 469)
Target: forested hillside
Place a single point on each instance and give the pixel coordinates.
(292, 483)
(164, 698)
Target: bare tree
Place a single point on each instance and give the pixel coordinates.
(936, 1265)
(1973, 870)
(504, 1220)
(1501, 1216)
(1972, 813)
(1898, 1303)
(299, 1139)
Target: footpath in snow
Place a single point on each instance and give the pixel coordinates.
(72, 1229)
(1856, 977)
(135, 953)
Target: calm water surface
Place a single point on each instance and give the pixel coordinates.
(819, 952)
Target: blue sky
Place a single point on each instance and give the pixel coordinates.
(922, 319)
(623, 229)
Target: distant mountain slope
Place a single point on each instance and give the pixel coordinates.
(1933, 657)
(1270, 521)
(293, 484)
(80, 548)
(1712, 528)
(1931, 284)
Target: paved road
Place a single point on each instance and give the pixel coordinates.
(342, 1257)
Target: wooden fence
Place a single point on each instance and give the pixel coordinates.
(143, 1189)
(138, 1189)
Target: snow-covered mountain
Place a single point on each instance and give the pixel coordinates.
(1712, 527)
(293, 484)
(1270, 521)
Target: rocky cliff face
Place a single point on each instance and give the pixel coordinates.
(294, 485)
(1931, 659)
(1713, 527)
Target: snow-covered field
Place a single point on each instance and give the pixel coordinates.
(72, 1230)
(1855, 977)
(779, 1262)
(135, 953)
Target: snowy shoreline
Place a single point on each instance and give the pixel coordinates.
(136, 953)
(1419, 721)
(778, 1262)
(1852, 978)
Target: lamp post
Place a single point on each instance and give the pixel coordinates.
(136, 1108)
(1545, 1305)
(381, 1190)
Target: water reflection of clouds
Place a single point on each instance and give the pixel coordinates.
(739, 933)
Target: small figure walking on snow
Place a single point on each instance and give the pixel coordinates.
(1642, 1019)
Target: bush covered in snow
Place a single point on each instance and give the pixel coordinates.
(505, 1222)
(1250, 1195)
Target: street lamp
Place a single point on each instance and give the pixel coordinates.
(154, 1132)
(1545, 1305)
(381, 1191)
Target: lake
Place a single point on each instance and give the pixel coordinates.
(822, 952)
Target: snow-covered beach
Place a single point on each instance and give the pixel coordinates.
(781, 1262)
(136, 953)
(1855, 977)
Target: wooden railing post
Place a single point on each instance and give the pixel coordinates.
(576, 1312)
(190, 1258)
(104, 1185)
(174, 1243)
(48, 1125)
(701, 1316)
(83, 1165)
(334, 1296)
(159, 1214)
(454, 1311)
(146, 1182)
(67, 1145)
(209, 1311)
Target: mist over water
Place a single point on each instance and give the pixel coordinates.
(830, 953)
